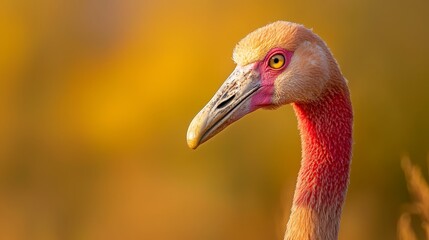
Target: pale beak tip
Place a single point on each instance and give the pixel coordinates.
(193, 142)
(195, 130)
(192, 137)
(192, 145)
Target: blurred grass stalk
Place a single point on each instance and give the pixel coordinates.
(419, 190)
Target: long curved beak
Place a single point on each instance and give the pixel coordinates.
(231, 102)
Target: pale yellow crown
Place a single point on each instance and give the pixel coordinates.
(281, 34)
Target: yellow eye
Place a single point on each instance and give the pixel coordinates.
(277, 61)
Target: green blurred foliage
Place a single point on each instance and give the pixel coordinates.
(96, 97)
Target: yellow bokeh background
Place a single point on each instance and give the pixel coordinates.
(96, 97)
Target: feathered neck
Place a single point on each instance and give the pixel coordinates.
(326, 135)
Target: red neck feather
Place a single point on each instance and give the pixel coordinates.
(326, 134)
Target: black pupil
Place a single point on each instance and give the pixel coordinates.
(276, 60)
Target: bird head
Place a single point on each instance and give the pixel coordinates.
(277, 64)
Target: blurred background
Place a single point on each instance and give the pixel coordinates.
(96, 97)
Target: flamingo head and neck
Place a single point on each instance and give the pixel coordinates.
(286, 63)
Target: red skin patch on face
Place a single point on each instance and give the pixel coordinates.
(268, 75)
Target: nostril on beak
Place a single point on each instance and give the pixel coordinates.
(225, 102)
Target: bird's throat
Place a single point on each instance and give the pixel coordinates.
(326, 135)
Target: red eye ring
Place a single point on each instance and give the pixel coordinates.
(279, 53)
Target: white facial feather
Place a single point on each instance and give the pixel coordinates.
(306, 76)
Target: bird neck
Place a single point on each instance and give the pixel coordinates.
(326, 135)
